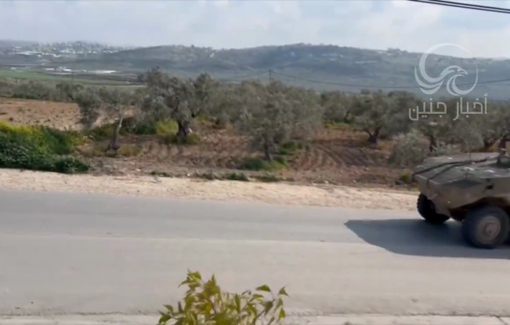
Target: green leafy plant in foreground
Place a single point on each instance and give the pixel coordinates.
(25, 150)
(205, 304)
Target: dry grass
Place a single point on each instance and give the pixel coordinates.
(36, 112)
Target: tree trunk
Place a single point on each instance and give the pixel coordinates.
(373, 137)
(220, 122)
(114, 144)
(503, 141)
(183, 131)
(267, 152)
(432, 143)
(488, 143)
(347, 117)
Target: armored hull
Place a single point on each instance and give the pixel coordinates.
(454, 186)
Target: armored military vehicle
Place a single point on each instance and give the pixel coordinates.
(473, 189)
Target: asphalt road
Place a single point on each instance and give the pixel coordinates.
(87, 254)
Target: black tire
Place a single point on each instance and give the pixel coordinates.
(428, 211)
(486, 227)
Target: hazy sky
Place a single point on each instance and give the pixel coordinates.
(378, 24)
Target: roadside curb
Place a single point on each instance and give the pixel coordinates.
(292, 320)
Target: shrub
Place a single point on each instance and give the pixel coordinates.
(102, 132)
(132, 126)
(60, 142)
(260, 164)
(18, 151)
(70, 165)
(291, 147)
(412, 148)
(337, 125)
(174, 139)
(237, 177)
(32, 89)
(241, 177)
(409, 149)
(209, 176)
(135, 125)
(129, 126)
(166, 130)
(267, 178)
(100, 150)
(205, 303)
(38, 148)
(405, 178)
(160, 173)
(166, 127)
(51, 140)
(130, 150)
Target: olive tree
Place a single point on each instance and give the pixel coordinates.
(116, 102)
(204, 89)
(409, 149)
(412, 148)
(179, 99)
(471, 132)
(112, 103)
(489, 128)
(377, 113)
(337, 106)
(32, 89)
(68, 90)
(89, 102)
(307, 113)
(273, 114)
(225, 104)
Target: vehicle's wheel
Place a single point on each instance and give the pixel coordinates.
(428, 211)
(486, 227)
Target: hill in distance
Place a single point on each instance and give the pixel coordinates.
(7, 44)
(323, 67)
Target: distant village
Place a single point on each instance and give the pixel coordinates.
(63, 49)
(67, 71)
(44, 53)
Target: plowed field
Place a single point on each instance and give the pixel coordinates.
(335, 156)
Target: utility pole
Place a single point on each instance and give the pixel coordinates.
(270, 72)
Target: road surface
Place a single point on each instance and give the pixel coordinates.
(90, 254)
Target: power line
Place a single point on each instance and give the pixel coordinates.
(464, 6)
(236, 78)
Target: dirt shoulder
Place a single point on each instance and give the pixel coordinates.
(275, 193)
(291, 320)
